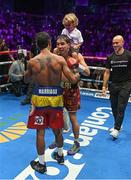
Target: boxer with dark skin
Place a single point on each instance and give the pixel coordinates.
(46, 70)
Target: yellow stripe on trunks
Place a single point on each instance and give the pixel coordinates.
(45, 101)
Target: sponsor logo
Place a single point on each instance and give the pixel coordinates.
(98, 95)
(39, 120)
(48, 91)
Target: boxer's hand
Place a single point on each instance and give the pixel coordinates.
(72, 63)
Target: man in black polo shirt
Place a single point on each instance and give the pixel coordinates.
(119, 67)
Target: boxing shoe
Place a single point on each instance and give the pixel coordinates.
(38, 167)
(52, 146)
(60, 159)
(75, 148)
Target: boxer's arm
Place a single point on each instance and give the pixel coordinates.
(83, 67)
(73, 78)
(28, 73)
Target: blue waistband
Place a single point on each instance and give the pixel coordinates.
(47, 91)
(49, 108)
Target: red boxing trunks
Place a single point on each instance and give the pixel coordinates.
(71, 98)
(47, 108)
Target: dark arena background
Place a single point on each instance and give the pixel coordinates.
(99, 157)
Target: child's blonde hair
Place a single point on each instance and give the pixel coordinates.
(70, 19)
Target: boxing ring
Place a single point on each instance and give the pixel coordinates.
(98, 158)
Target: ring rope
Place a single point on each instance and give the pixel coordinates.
(6, 62)
(8, 52)
(91, 80)
(4, 75)
(98, 93)
(95, 67)
(95, 57)
(89, 89)
(91, 67)
(5, 85)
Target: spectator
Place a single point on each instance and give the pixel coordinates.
(34, 51)
(4, 68)
(16, 74)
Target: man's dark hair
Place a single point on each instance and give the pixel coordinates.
(42, 40)
(68, 41)
(64, 37)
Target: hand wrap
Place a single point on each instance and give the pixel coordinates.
(81, 68)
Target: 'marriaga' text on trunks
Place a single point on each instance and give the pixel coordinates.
(48, 91)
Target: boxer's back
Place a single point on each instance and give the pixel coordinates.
(46, 69)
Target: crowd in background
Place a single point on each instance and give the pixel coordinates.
(97, 29)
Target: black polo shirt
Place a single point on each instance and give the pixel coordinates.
(120, 66)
